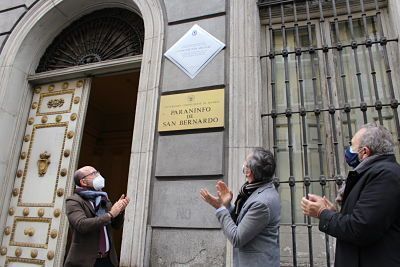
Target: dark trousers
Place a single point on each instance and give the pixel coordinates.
(103, 262)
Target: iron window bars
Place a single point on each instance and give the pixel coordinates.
(336, 76)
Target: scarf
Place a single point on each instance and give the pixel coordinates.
(360, 167)
(98, 198)
(245, 192)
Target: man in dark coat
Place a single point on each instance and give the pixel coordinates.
(367, 228)
(90, 214)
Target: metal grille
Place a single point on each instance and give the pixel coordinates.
(102, 35)
(328, 71)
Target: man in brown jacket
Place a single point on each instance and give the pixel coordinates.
(90, 214)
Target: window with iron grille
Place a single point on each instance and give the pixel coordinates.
(327, 69)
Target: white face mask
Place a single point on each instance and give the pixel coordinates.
(98, 183)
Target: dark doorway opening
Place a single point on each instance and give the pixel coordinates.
(107, 135)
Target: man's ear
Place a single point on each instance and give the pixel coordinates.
(82, 183)
(368, 151)
(251, 173)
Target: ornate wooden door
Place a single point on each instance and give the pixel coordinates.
(36, 227)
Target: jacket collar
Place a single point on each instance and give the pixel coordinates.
(259, 190)
(252, 196)
(87, 204)
(369, 162)
(354, 176)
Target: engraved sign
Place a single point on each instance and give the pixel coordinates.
(194, 50)
(196, 110)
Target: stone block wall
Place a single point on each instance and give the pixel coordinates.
(11, 11)
(185, 231)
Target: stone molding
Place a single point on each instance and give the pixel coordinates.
(244, 91)
(93, 69)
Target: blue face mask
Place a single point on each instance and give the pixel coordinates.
(351, 157)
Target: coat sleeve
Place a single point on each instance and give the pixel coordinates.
(118, 221)
(375, 211)
(79, 221)
(253, 222)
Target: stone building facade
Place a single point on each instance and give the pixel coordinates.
(81, 83)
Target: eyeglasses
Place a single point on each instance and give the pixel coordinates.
(92, 173)
(244, 169)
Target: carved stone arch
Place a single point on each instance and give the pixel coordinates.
(104, 34)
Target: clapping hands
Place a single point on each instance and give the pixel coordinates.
(314, 205)
(119, 206)
(224, 197)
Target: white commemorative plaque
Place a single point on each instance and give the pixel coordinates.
(194, 50)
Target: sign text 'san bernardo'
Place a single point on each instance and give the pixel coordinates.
(195, 110)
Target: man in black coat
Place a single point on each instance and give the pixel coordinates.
(367, 228)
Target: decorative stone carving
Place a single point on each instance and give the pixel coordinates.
(25, 211)
(57, 213)
(58, 118)
(55, 103)
(3, 251)
(50, 255)
(73, 116)
(18, 252)
(15, 192)
(65, 85)
(11, 211)
(30, 231)
(43, 163)
(44, 119)
(19, 173)
(40, 212)
(34, 253)
(70, 134)
(53, 233)
(60, 192)
(67, 152)
(63, 172)
(7, 230)
(23, 155)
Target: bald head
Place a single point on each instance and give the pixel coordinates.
(82, 172)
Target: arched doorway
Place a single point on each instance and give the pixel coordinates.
(27, 38)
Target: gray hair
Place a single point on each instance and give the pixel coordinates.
(377, 138)
(262, 163)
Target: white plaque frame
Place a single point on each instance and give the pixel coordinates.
(194, 50)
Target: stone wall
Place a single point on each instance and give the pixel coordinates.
(11, 12)
(185, 231)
